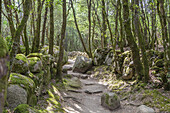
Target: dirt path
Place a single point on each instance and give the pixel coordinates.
(88, 98)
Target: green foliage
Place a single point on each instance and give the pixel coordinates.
(9, 42)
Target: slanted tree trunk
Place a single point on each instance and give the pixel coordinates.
(77, 27)
(61, 51)
(51, 39)
(3, 72)
(135, 51)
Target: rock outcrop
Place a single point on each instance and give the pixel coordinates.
(16, 95)
(110, 101)
(82, 64)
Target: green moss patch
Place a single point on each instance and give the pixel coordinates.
(3, 47)
(25, 82)
(22, 57)
(39, 55)
(158, 100)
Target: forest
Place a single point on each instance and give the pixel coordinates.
(84, 56)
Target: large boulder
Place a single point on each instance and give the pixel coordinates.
(16, 95)
(110, 101)
(82, 64)
(144, 109)
(100, 56)
(26, 83)
(35, 64)
(20, 64)
(109, 58)
(119, 61)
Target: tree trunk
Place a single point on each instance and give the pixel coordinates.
(141, 41)
(104, 26)
(36, 41)
(89, 19)
(51, 39)
(26, 41)
(3, 72)
(44, 26)
(135, 51)
(75, 21)
(0, 16)
(26, 8)
(10, 20)
(121, 26)
(61, 52)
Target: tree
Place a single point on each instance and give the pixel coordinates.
(3, 72)
(138, 30)
(36, 41)
(51, 39)
(61, 51)
(26, 9)
(135, 51)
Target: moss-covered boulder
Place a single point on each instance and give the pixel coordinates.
(16, 95)
(110, 101)
(100, 56)
(39, 55)
(35, 64)
(26, 83)
(20, 64)
(128, 69)
(119, 61)
(82, 64)
(109, 58)
(25, 108)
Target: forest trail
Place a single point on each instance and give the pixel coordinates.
(87, 99)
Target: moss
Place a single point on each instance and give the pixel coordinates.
(107, 98)
(39, 55)
(33, 60)
(25, 108)
(21, 57)
(25, 82)
(158, 100)
(3, 47)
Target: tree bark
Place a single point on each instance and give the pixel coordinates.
(89, 19)
(135, 51)
(75, 21)
(44, 26)
(104, 26)
(51, 39)
(141, 42)
(26, 8)
(61, 51)
(36, 41)
(3, 72)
